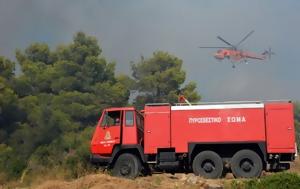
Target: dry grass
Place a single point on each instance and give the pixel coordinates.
(105, 181)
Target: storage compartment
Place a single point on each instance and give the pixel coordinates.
(156, 128)
(280, 128)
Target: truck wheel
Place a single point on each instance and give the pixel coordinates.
(127, 166)
(208, 164)
(246, 164)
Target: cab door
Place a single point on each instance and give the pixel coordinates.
(129, 131)
(108, 132)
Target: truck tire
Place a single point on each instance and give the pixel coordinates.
(246, 164)
(208, 164)
(127, 166)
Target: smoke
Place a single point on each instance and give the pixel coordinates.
(128, 29)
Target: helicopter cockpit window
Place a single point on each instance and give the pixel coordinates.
(111, 118)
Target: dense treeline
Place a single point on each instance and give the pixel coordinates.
(49, 110)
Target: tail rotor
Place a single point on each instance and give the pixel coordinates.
(268, 53)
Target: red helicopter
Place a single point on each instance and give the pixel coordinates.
(235, 55)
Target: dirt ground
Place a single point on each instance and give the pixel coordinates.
(159, 181)
(295, 166)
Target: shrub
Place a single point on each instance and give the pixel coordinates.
(283, 180)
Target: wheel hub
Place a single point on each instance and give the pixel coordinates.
(125, 170)
(246, 166)
(208, 167)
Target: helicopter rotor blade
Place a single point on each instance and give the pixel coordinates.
(214, 47)
(226, 42)
(250, 33)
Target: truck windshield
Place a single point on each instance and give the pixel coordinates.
(111, 118)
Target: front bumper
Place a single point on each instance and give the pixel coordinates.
(98, 159)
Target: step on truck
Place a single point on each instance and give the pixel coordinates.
(207, 139)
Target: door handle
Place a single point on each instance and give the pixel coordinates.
(289, 128)
(148, 131)
(117, 137)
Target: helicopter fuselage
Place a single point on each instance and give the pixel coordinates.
(236, 55)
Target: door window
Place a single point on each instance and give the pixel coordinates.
(129, 118)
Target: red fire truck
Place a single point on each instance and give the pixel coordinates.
(208, 139)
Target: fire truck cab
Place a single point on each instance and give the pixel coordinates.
(207, 138)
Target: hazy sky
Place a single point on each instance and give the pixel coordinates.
(127, 29)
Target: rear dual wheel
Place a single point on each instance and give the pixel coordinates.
(246, 164)
(208, 164)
